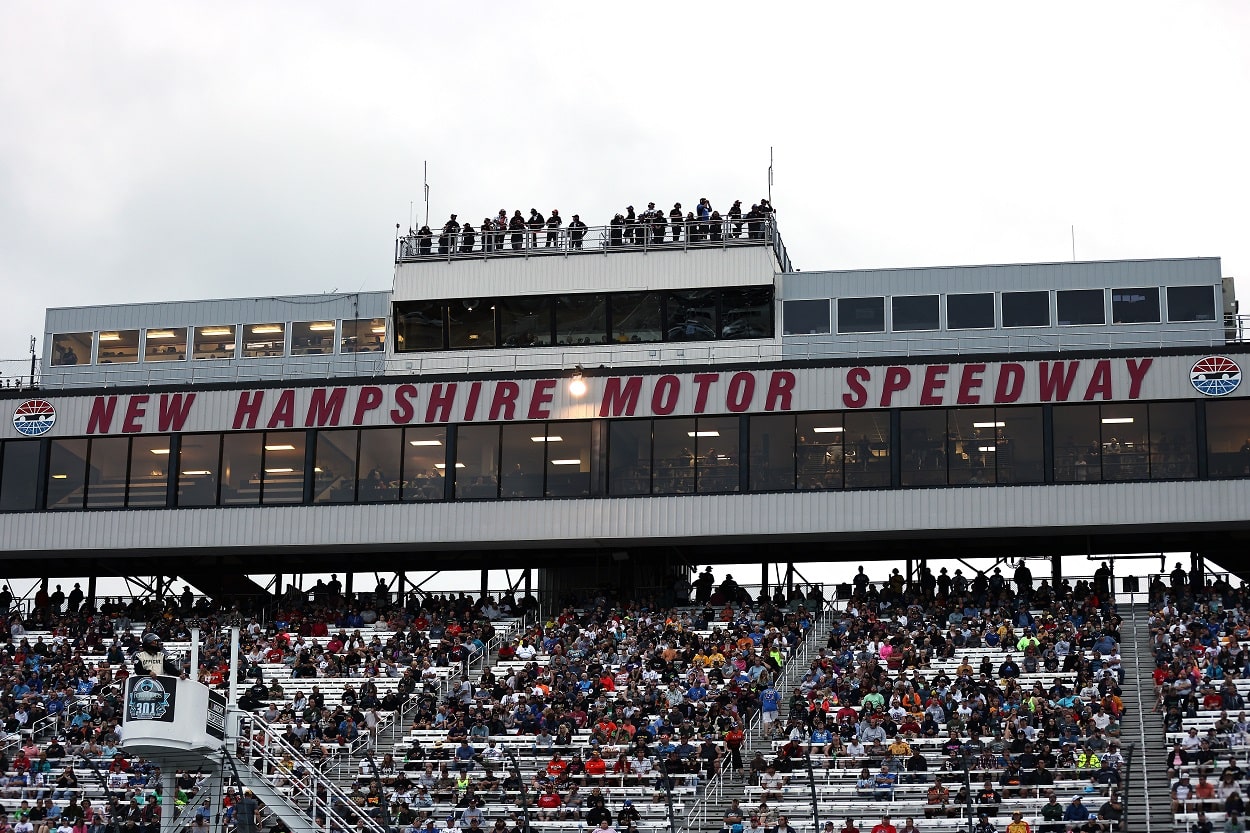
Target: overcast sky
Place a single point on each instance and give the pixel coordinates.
(172, 151)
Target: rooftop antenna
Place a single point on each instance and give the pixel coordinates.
(425, 178)
(770, 174)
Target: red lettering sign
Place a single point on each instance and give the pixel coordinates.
(896, 379)
(325, 407)
(934, 383)
(620, 396)
(856, 395)
(1055, 380)
(135, 410)
(664, 397)
(741, 392)
(780, 391)
(247, 410)
(173, 411)
(441, 400)
(542, 398)
(1137, 370)
(369, 400)
(101, 419)
(1010, 383)
(969, 384)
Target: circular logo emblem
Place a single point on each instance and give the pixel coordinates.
(34, 417)
(1215, 376)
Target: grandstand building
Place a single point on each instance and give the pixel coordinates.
(627, 405)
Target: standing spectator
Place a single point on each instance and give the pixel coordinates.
(674, 219)
(553, 228)
(577, 231)
(535, 223)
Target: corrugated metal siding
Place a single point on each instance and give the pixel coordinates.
(620, 522)
(218, 311)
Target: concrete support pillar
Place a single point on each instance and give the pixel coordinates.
(1056, 570)
(169, 794)
(764, 578)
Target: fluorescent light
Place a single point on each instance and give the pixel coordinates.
(378, 330)
(444, 465)
(217, 331)
(266, 328)
(1117, 421)
(195, 472)
(547, 439)
(989, 425)
(990, 448)
(60, 476)
(110, 337)
(279, 471)
(280, 447)
(160, 451)
(573, 462)
(322, 326)
(160, 333)
(702, 433)
(425, 442)
(318, 470)
(828, 429)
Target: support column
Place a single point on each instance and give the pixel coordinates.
(485, 582)
(1056, 570)
(91, 593)
(789, 578)
(910, 567)
(764, 578)
(169, 795)
(347, 584)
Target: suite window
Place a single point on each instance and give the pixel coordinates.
(524, 451)
(861, 315)
(923, 447)
(866, 439)
(118, 347)
(242, 459)
(1078, 443)
(692, 315)
(772, 452)
(675, 454)
(581, 319)
(716, 454)
(747, 312)
(568, 459)
(214, 342)
(312, 338)
(419, 325)
(334, 472)
(1191, 303)
(282, 478)
(18, 475)
(1173, 441)
(1135, 306)
(378, 467)
(805, 318)
(477, 462)
(914, 312)
(637, 317)
(425, 463)
(1080, 306)
(821, 451)
(1026, 309)
(70, 349)
(1125, 442)
(106, 474)
(264, 340)
(67, 474)
(149, 471)
(1019, 457)
(1228, 439)
(972, 445)
(629, 457)
(970, 311)
(199, 461)
(524, 322)
(363, 335)
(165, 344)
(471, 324)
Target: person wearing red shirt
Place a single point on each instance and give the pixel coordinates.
(595, 765)
(885, 826)
(549, 804)
(849, 827)
(556, 766)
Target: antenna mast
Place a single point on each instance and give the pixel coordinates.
(770, 174)
(425, 178)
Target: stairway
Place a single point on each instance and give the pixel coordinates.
(1147, 803)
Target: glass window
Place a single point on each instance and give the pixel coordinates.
(972, 446)
(523, 459)
(119, 346)
(1173, 441)
(568, 459)
(199, 456)
(19, 475)
(67, 474)
(312, 338)
(692, 315)
(1125, 442)
(242, 458)
(1078, 449)
(149, 471)
(970, 311)
(377, 471)
(923, 446)
(70, 349)
(1020, 451)
(425, 463)
(772, 451)
(1080, 306)
(525, 322)
(866, 439)
(746, 312)
(106, 477)
(477, 461)
(629, 457)
(419, 326)
(636, 317)
(861, 315)
(1135, 306)
(1026, 309)
(471, 323)
(165, 344)
(581, 319)
(263, 340)
(821, 452)
(805, 318)
(1228, 440)
(363, 335)
(716, 454)
(215, 342)
(334, 478)
(674, 456)
(1191, 303)
(915, 312)
(284, 467)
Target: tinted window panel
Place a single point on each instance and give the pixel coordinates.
(772, 452)
(312, 338)
(216, 342)
(18, 484)
(165, 344)
(119, 346)
(1078, 447)
(425, 458)
(1135, 306)
(264, 340)
(801, 318)
(1080, 306)
(923, 446)
(972, 446)
(198, 460)
(1173, 441)
(525, 322)
(71, 349)
(747, 312)
(636, 317)
(716, 454)
(523, 456)
(581, 319)
(692, 315)
(970, 311)
(283, 480)
(674, 456)
(629, 463)
(861, 315)
(1026, 309)
(242, 458)
(1228, 439)
(1125, 442)
(106, 477)
(67, 474)
(149, 471)
(334, 480)
(820, 451)
(471, 323)
(568, 460)
(477, 461)
(363, 335)
(867, 443)
(1020, 452)
(915, 312)
(419, 326)
(1191, 303)
(377, 472)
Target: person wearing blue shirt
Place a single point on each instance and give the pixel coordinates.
(696, 692)
(770, 701)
